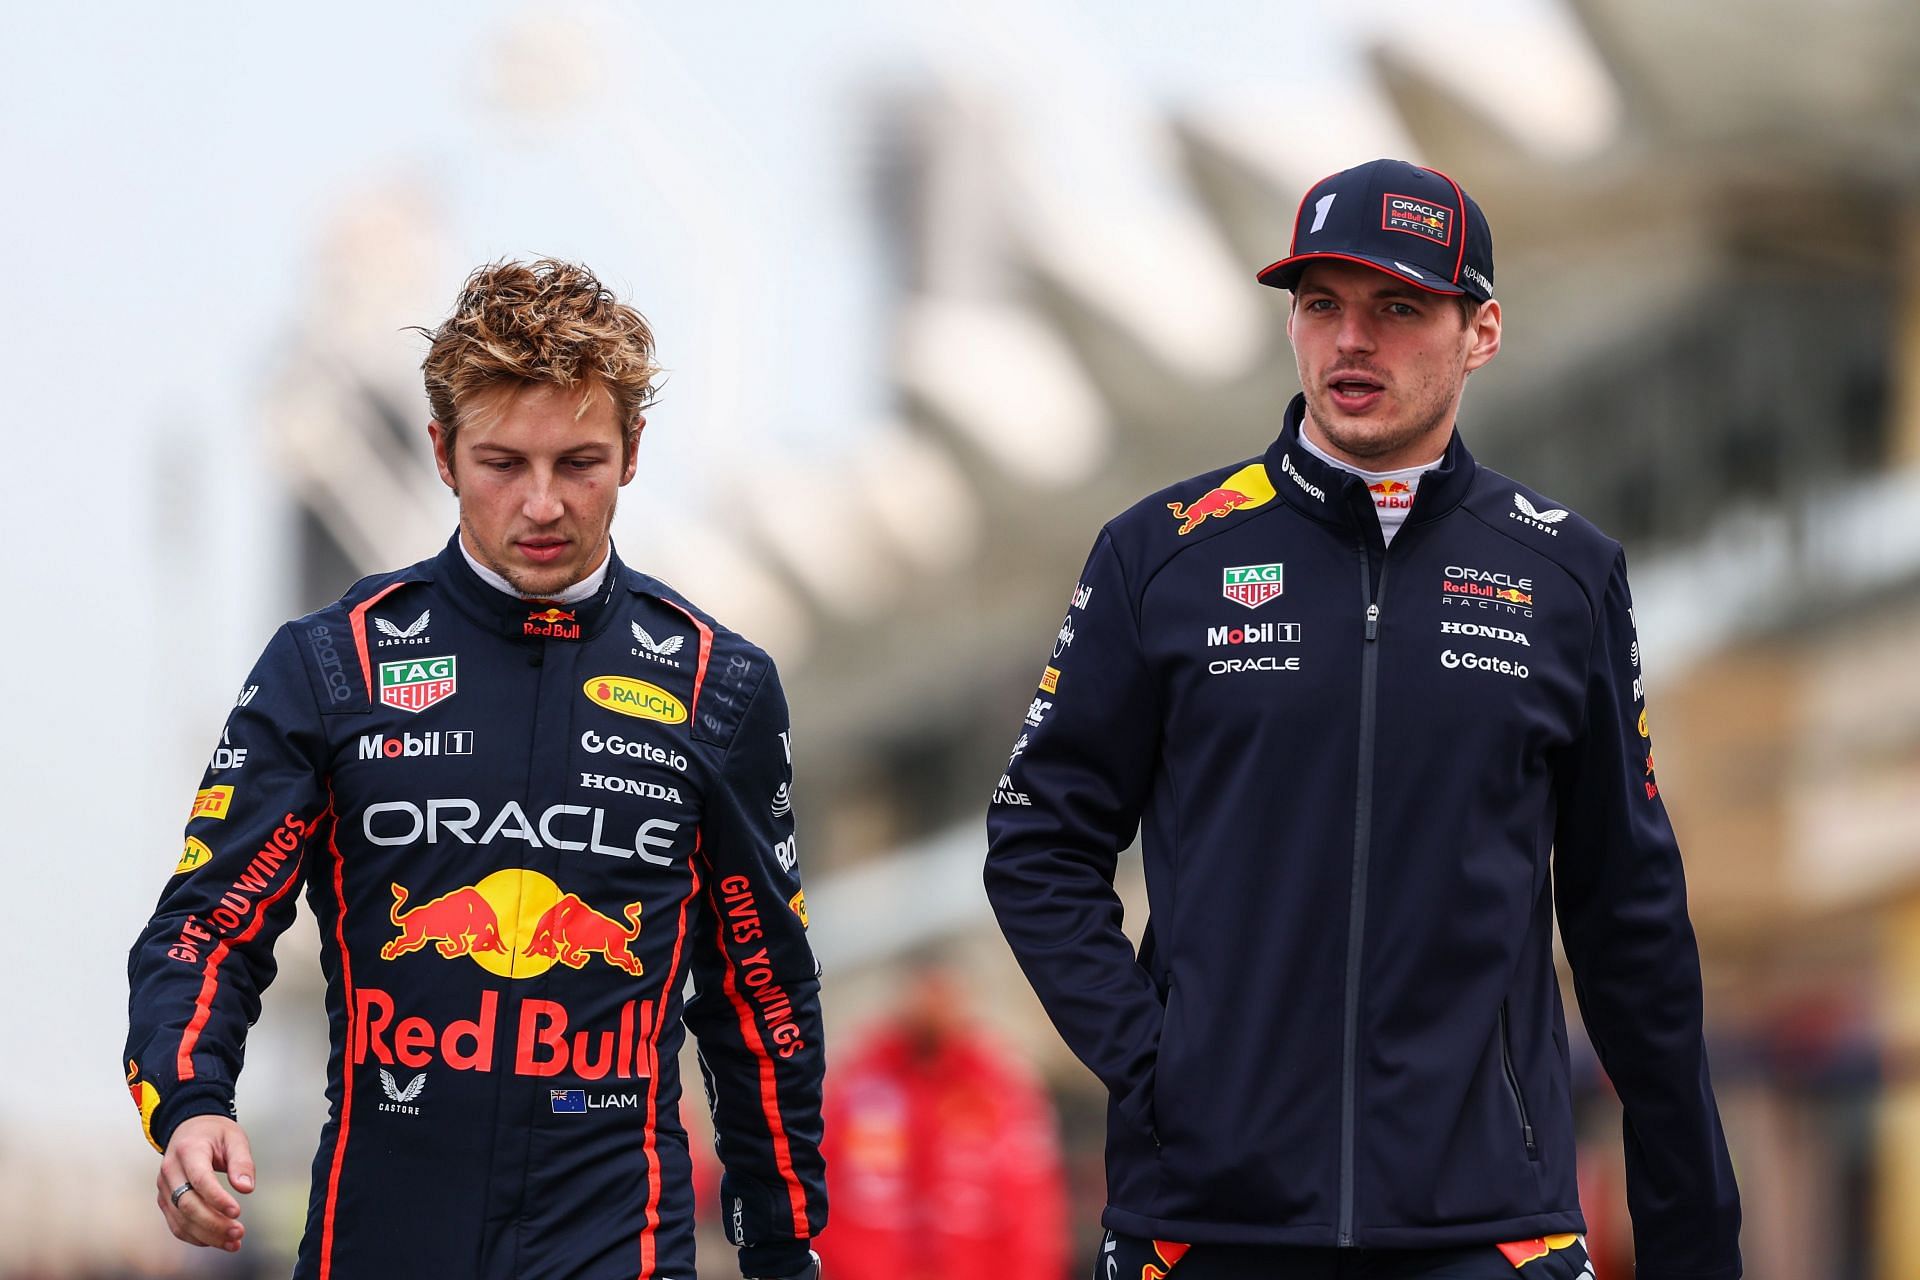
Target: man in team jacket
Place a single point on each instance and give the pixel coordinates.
(1376, 713)
(526, 790)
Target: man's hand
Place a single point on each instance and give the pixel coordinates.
(207, 1214)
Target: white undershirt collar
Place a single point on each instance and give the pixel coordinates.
(1392, 490)
(574, 594)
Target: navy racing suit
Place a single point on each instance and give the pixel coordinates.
(1364, 778)
(520, 827)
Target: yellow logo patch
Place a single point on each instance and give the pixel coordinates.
(635, 698)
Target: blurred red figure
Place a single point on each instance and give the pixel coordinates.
(942, 1156)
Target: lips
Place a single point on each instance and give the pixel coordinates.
(1355, 392)
(542, 551)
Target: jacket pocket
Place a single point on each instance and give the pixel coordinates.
(1513, 1085)
(1153, 1080)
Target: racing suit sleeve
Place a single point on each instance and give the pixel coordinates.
(1622, 903)
(1069, 802)
(756, 1007)
(196, 973)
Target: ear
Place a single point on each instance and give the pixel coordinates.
(1484, 339)
(442, 457)
(633, 450)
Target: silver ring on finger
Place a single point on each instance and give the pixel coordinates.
(179, 1191)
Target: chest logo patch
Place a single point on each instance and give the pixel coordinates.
(414, 684)
(1251, 584)
(636, 698)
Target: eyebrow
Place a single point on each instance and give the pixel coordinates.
(1395, 292)
(592, 446)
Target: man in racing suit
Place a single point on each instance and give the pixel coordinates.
(1375, 711)
(527, 790)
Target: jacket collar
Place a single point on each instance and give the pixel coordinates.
(1336, 496)
(510, 615)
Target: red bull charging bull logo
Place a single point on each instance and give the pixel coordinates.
(486, 922)
(1243, 490)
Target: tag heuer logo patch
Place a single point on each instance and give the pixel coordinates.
(1418, 218)
(1250, 584)
(416, 683)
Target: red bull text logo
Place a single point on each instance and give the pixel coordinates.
(1391, 495)
(1485, 589)
(552, 622)
(544, 1043)
(414, 684)
(486, 922)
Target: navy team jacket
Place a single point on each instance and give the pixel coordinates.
(1363, 780)
(519, 828)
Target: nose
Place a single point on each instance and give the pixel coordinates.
(1356, 330)
(542, 503)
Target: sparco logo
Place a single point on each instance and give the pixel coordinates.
(1474, 662)
(397, 746)
(1485, 633)
(646, 790)
(1258, 633)
(404, 823)
(1312, 490)
(327, 658)
(614, 744)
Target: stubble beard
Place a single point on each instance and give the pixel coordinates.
(1371, 438)
(539, 583)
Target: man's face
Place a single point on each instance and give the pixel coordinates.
(536, 483)
(1382, 363)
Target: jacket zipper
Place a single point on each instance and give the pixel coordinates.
(1357, 898)
(1513, 1082)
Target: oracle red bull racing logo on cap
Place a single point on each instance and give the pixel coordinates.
(1421, 218)
(414, 684)
(1243, 490)
(1251, 584)
(487, 923)
(636, 698)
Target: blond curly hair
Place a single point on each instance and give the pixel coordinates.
(545, 321)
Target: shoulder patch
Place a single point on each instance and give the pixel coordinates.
(1245, 489)
(731, 681)
(333, 665)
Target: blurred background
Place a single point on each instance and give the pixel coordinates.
(942, 288)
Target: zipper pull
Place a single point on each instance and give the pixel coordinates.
(1373, 622)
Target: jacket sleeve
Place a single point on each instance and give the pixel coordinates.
(1069, 802)
(196, 973)
(756, 1003)
(1622, 904)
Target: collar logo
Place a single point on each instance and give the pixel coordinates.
(552, 622)
(1244, 490)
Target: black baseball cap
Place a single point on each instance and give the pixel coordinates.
(1410, 222)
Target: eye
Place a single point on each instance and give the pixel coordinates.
(1319, 304)
(1403, 309)
(583, 464)
(501, 464)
